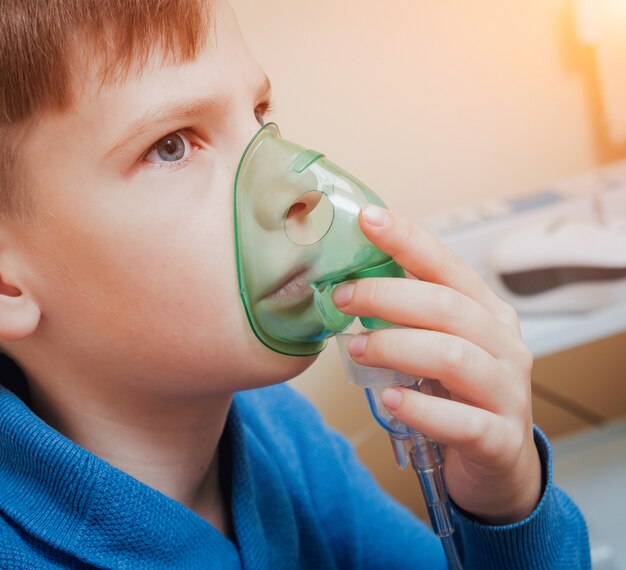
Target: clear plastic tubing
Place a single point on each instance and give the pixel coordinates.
(409, 445)
(427, 463)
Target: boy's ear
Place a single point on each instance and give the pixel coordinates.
(19, 313)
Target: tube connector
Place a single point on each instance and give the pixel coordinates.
(428, 466)
(408, 445)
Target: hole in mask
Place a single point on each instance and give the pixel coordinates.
(309, 218)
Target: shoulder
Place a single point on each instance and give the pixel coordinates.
(22, 551)
(283, 426)
(278, 406)
(284, 420)
(15, 551)
(284, 430)
(327, 481)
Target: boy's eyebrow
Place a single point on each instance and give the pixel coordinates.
(154, 119)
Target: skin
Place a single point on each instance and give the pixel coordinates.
(121, 302)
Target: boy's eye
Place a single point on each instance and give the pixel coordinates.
(172, 148)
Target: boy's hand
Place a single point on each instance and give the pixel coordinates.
(463, 335)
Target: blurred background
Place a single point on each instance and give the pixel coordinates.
(476, 117)
(435, 103)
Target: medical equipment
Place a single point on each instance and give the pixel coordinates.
(297, 238)
(556, 253)
(408, 444)
(563, 265)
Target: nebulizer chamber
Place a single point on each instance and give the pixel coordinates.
(409, 446)
(297, 239)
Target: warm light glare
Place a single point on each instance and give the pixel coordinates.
(602, 25)
(593, 16)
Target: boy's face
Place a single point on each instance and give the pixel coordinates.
(132, 261)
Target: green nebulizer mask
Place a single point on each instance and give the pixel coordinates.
(297, 238)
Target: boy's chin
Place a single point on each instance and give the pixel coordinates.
(270, 367)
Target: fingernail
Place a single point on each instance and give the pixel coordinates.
(356, 346)
(375, 215)
(392, 398)
(342, 295)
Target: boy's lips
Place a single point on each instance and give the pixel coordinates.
(293, 289)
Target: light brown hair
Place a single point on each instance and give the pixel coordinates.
(38, 40)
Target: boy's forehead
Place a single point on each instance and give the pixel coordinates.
(103, 112)
(98, 73)
(222, 67)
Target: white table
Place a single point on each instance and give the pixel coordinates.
(546, 335)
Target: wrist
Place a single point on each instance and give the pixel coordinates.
(512, 497)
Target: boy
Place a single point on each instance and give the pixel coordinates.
(121, 444)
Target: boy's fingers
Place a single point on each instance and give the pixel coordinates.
(420, 304)
(464, 369)
(476, 433)
(425, 257)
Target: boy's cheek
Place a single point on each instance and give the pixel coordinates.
(154, 325)
(143, 263)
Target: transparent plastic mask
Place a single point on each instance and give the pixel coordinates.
(297, 238)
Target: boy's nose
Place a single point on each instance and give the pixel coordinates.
(304, 205)
(243, 132)
(309, 218)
